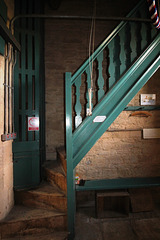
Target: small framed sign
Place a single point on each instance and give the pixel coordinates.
(33, 123)
(148, 99)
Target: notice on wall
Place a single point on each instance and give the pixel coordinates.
(148, 99)
(33, 123)
(151, 133)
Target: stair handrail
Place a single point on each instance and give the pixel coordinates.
(103, 45)
(132, 68)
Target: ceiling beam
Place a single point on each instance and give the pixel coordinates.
(6, 34)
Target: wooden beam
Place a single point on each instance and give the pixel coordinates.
(7, 35)
(121, 183)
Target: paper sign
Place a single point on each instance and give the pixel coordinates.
(99, 119)
(148, 99)
(33, 123)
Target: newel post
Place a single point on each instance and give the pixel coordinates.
(71, 206)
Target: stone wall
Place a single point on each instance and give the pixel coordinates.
(122, 151)
(6, 164)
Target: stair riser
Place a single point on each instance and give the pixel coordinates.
(62, 157)
(43, 201)
(40, 235)
(58, 223)
(56, 178)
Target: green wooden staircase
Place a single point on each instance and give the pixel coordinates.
(122, 64)
(114, 102)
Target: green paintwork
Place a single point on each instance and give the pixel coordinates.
(142, 108)
(88, 73)
(28, 148)
(103, 45)
(7, 35)
(132, 62)
(2, 46)
(121, 183)
(115, 101)
(122, 49)
(26, 163)
(100, 77)
(69, 156)
(123, 57)
(78, 108)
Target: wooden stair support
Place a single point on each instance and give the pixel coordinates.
(112, 203)
(141, 200)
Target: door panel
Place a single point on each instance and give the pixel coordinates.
(26, 169)
(28, 148)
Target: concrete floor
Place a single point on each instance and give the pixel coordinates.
(135, 226)
(144, 226)
(130, 228)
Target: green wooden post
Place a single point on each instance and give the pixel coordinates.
(89, 86)
(78, 107)
(100, 76)
(69, 157)
(122, 51)
(111, 68)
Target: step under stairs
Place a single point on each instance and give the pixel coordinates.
(40, 213)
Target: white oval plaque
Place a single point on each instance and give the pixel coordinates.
(99, 119)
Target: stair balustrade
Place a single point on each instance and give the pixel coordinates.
(110, 61)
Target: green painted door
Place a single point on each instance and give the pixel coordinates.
(28, 148)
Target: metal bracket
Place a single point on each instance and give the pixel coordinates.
(8, 136)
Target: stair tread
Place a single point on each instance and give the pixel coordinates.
(22, 213)
(46, 188)
(50, 236)
(54, 166)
